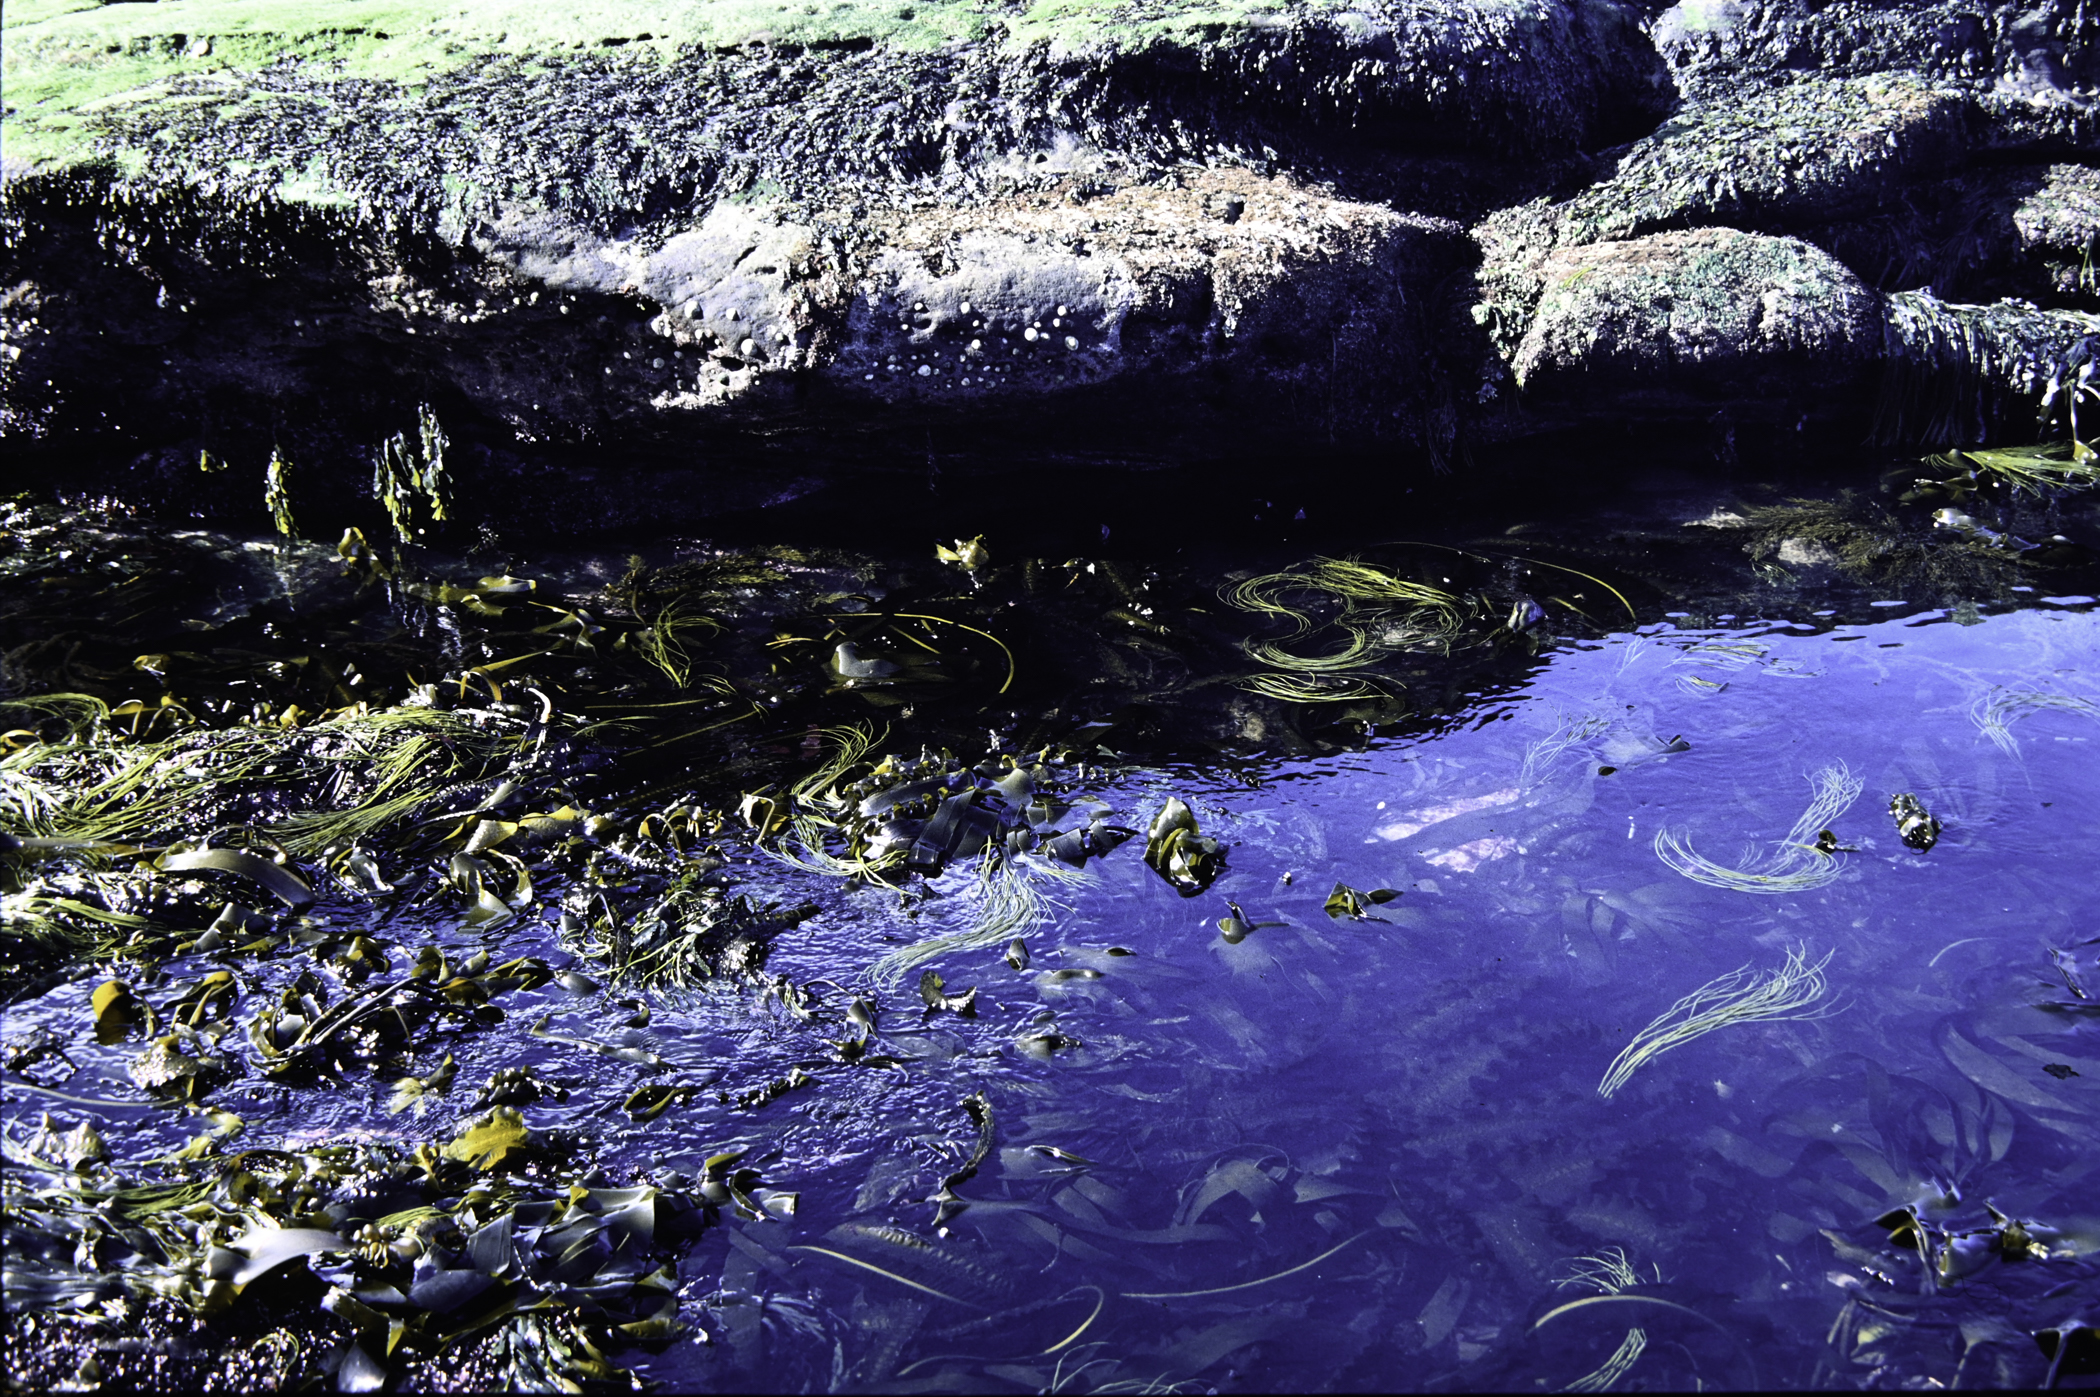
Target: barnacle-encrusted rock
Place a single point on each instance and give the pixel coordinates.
(1710, 316)
(2056, 225)
(1772, 159)
(2040, 48)
(1259, 285)
(633, 220)
(240, 229)
(1786, 155)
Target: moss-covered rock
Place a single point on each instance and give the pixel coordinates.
(1699, 319)
(1777, 158)
(86, 79)
(2047, 47)
(2056, 221)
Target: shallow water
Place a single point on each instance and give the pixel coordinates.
(1365, 1153)
(1370, 1153)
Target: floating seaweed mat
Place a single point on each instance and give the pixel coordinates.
(1377, 615)
(883, 822)
(467, 1247)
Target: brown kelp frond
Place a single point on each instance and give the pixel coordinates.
(1740, 996)
(1797, 864)
(1867, 541)
(2070, 384)
(559, 1271)
(409, 478)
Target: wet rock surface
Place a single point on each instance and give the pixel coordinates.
(752, 232)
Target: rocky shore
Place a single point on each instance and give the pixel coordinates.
(1410, 228)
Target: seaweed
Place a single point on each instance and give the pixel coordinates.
(1874, 545)
(884, 822)
(1998, 710)
(1377, 613)
(1610, 1272)
(409, 478)
(414, 1249)
(1737, 997)
(1180, 853)
(1915, 825)
(1802, 861)
(2043, 470)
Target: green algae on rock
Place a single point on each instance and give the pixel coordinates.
(1713, 315)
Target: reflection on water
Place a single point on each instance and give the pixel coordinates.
(1629, 1086)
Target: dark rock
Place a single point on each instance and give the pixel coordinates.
(743, 229)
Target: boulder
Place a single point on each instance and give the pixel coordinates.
(1792, 156)
(1699, 320)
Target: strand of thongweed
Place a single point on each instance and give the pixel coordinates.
(1798, 865)
(1998, 711)
(1737, 997)
(1011, 905)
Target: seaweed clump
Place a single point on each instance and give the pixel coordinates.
(881, 822)
(388, 1255)
(1873, 545)
(1740, 996)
